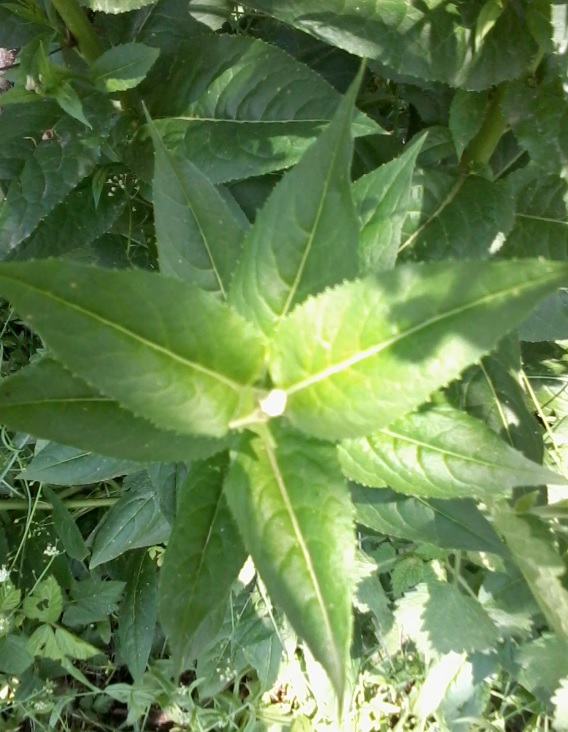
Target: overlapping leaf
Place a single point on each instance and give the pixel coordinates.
(541, 225)
(532, 547)
(441, 453)
(305, 236)
(72, 225)
(292, 508)
(46, 400)
(198, 238)
(447, 524)
(251, 110)
(382, 198)
(64, 465)
(432, 42)
(134, 521)
(138, 613)
(354, 358)
(492, 393)
(543, 108)
(164, 349)
(440, 618)
(203, 558)
(49, 174)
(456, 216)
(122, 67)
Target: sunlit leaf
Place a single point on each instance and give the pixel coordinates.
(292, 509)
(354, 358)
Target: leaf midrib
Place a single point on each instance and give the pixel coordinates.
(131, 335)
(430, 447)
(281, 485)
(311, 238)
(374, 350)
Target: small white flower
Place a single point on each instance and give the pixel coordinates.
(274, 403)
(4, 574)
(50, 551)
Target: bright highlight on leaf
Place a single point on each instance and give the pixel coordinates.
(274, 403)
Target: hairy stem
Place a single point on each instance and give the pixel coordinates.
(82, 31)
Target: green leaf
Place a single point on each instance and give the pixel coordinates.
(164, 349)
(382, 198)
(42, 643)
(543, 109)
(72, 225)
(198, 238)
(441, 452)
(138, 614)
(123, 67)
(45, 602)
(264, 85)
(492, 393)
(355, 358)
(203, 557)
(66, 527)
(432, 42)
(532, 546)
(467, 113)
(305, 236)
(49, 174)
(541, 223)
(93, 600)
(71, 646)
(541, 216)
(134, 521)
(46, 400)
(251, 109)
(292, 509)
(440, 619)
(10, 596)
(15, 656)
(447, 524)
(63, 465)
(170, 26)
(542, 664)
(456, 216)
(509, 601)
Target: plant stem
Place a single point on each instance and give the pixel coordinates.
(14, 505)
(82, 31)
(482, 147)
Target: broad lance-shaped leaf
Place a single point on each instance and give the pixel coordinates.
(430, 41)
(381, 199)
(46, 400)
(138, 613)
(533, 548)
(441, 453)
(456, 524)
(197, 236)
(162, 348)
(203, 558)
(305, 236)
(355, 358)
(260, 117)
(292, 508)
(134, 521)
